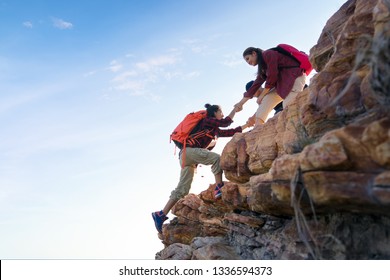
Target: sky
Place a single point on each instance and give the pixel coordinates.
(89, 94)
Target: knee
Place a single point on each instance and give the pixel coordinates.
(259, 121)
(216, 167)
(176, 196)
(215, 158)
(179, 193)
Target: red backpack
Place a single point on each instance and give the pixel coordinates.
(297, 55)
(187, 131)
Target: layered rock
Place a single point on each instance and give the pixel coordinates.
(313, 182)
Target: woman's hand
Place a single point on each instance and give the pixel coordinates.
(261, 96)
(238, 107)
(251, 121)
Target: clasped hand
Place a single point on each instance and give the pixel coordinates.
(238, 107)
(251, 121)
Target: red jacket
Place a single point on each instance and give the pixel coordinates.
(213, 125)
(280, 73)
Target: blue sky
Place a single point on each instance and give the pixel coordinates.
(89, 94)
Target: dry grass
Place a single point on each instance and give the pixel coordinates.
(298, 191)
(303, 138)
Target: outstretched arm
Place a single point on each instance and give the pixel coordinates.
(254, 90)
(232, 113)
(263, 93)
(246, 126)
(241, 103)
(232, 131)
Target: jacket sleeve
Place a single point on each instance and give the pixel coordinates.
(255, 86)
(213, 122)
(228, 132)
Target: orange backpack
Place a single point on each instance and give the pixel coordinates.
(186, 131)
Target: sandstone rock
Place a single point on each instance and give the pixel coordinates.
(234, 159)
(188, 207)
(254, 222)
(327, 154)
(175, 251)
(234, 195)
(354, 195)
(284, 167)
(261, 155)
(181, 231)
(262, 199)
(381, 189)
(380, 75)
(215, 252)
(321, 53)
(203, 241)
(376, 137)
(291, 135)
(335, 95)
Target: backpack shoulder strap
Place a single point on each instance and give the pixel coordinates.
(283, 51)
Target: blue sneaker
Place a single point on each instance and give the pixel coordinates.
(218, 191)
(159, 218)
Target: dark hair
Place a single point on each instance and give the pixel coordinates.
(259, 61)
(211, 109)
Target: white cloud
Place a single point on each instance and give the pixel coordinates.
(170, 75)
(61, 24)
(28, 24)
(130, 86)
(124, 76)
(174, 50)
(199, 49)
(154, 97)
(137, 79)
(191, 75)
(195, 45)
(184, 76)
(232, 60)
(149, 71)
(115, 66)
(90, 73)
(159, 61)
(190, 41)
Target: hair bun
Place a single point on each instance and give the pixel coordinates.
(207, 105)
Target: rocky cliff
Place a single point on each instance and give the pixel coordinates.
(314, 181)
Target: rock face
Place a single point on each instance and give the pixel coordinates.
(314, 181)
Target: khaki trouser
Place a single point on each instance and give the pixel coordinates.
(272, 98)
(194, 156)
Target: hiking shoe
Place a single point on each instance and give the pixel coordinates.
(159, 218)
(218, 191)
